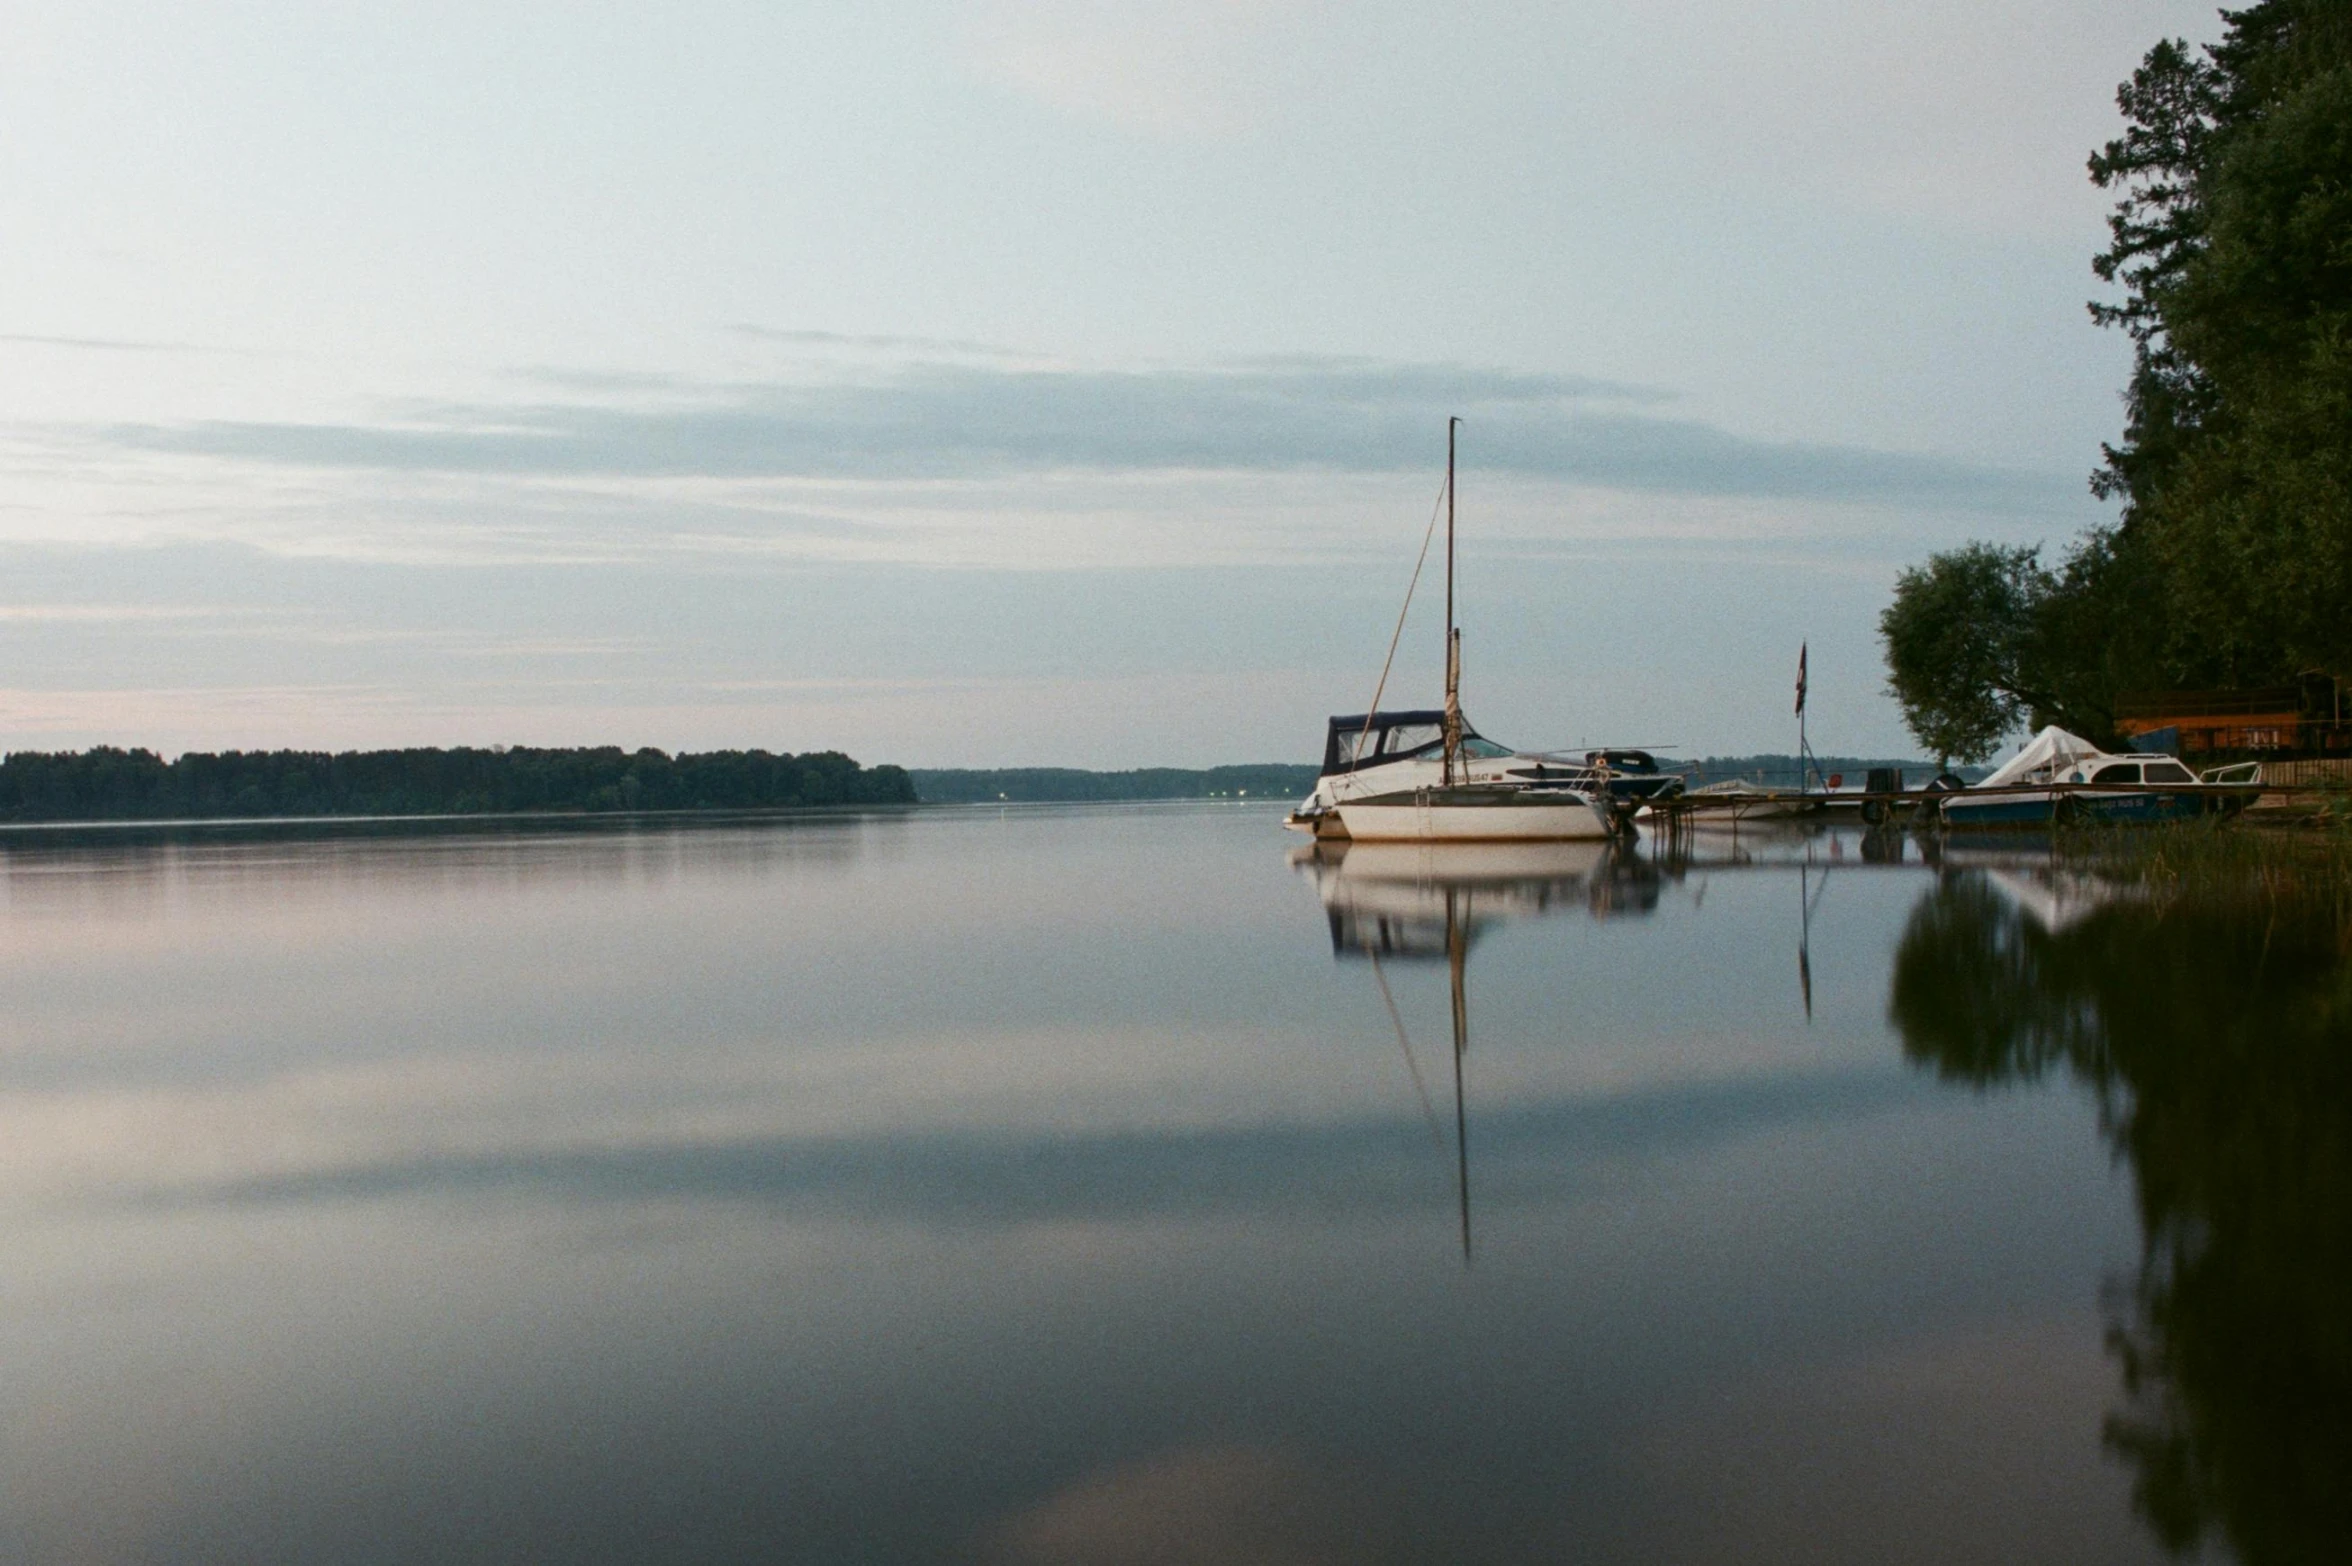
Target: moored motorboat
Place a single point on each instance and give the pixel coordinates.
(1740, 800)
(1630, 777)
(2059, 777)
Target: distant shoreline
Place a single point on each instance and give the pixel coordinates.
(1070, 785)
(106, 784)
(547, 821)
(107, 789)
(1077, 785)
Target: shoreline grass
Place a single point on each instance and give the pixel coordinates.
(2302, 868)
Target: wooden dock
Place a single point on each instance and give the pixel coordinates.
(1876, 807)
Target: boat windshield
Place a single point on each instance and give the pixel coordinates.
(1480, 748)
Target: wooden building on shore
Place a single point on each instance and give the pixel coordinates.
(2308, 720)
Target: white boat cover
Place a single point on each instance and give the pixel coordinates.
(2049, 751)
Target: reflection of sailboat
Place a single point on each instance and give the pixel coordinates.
(1457, 952)
(1396, 898)
(1471, 865)
(1426, 901)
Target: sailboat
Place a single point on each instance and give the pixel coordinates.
(1460, 808)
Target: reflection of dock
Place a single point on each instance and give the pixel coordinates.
(1721, 807)
(1713, 843)
(1787, 845)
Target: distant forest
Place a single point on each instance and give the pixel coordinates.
(107, 784)
(1035, 785)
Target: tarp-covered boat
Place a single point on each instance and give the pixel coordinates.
(2059, 777)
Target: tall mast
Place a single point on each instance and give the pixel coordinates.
(1451, 426)
(1453, 642)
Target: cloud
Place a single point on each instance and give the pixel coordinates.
(108, 344)
(114, 614)
(935, 420)
(1159, 67)
(886, 341)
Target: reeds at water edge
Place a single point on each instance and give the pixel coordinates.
(2301, 871)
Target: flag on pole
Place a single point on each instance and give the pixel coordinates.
(1800, 679)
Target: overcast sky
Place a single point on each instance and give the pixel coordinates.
(1037, 383)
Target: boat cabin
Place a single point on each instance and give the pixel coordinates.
(1634, 763)
(1359, 740)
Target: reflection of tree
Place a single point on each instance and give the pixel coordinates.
(2219, 1038)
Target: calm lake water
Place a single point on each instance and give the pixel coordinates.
(1058, 1186)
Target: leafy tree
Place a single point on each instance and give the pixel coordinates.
(2231, 242)
(2169, 106)
(2233, 237)
(1955, 637)
(2092, 633)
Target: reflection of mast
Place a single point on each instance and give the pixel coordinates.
(1397, 1021)
(1805, 931)
(1457, 948)
(1806, 898)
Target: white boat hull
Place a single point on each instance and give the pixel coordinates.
(1536, 821)
(1765, 809)
(1318, 812)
